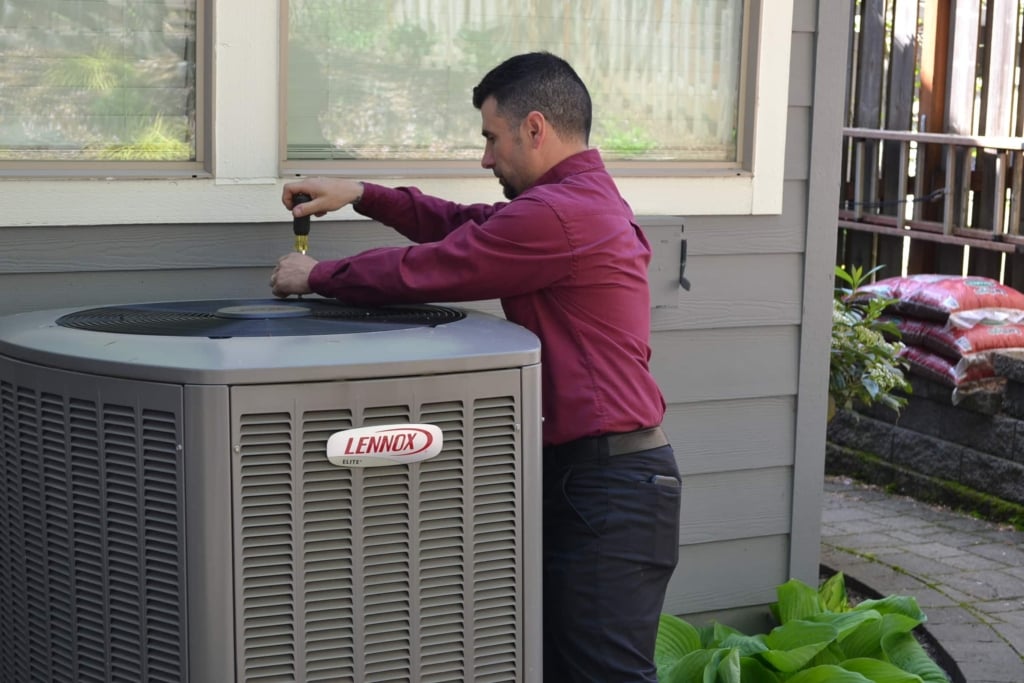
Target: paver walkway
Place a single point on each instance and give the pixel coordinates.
(966, 574)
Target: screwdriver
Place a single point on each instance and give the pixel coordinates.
(300, 225)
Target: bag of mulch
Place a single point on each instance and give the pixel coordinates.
(965, 320)
(935, 297)
(890, 287)
(955, 342)
(968, 369)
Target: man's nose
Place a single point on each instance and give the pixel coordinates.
(488, 160)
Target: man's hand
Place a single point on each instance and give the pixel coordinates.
(291, 276)
(328, 194)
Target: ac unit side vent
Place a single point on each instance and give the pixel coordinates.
(393, 573)
(497, 584)
(91, 521)
(267, 553)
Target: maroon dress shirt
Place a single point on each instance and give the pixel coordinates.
(568, 262)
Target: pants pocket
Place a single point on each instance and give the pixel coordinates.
(667, 500)
(633, 516)
(586, 493)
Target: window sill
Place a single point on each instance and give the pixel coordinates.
(118, 201)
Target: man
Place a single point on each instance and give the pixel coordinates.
(568, 262)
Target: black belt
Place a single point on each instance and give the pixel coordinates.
(609, 445)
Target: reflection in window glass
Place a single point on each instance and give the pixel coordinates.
(97, 80)
(392, 79)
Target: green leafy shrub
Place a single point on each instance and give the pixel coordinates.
(158, 142)
(821, 638)
(864, 366)
(625, 139)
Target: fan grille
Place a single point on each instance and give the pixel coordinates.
(225, 318)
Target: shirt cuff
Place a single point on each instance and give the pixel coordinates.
(320, 277)
(366, 202)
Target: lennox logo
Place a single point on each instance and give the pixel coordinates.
(384, 445)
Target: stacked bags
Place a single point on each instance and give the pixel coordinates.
(951, 325)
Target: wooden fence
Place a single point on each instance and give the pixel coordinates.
(933, 149)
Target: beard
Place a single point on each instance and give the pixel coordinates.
(507, 190)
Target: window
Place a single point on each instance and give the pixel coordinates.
(100, 84)
(254, 129)
(391, 80)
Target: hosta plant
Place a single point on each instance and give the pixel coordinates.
(820, 638)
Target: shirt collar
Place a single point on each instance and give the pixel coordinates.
(587, 160)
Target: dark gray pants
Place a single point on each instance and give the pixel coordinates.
(611, 541)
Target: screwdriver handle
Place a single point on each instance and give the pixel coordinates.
(300, 224)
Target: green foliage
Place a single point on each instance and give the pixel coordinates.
(101, 72)
(410, 43)
(821, 638)
(159, 142)
(347, 27)
(626, 140)
(85, 77)
(864, 366)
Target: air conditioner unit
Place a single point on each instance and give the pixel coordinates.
(168, 511)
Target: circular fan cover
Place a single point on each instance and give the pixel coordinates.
(225, 318)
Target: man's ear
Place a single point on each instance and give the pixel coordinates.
(536, 128)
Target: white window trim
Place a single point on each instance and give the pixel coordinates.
(246, 188)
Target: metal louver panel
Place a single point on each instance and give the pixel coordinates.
(91, 521)
(495, 505)
(442, 570)
(396, 573)
(327, 577)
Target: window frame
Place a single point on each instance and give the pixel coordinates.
(369, 169)
(752, 176)
(243, 173)
(197, 168)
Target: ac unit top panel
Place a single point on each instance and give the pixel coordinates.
(224, 318)
(265, 341)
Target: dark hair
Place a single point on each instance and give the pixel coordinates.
(538, 81)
